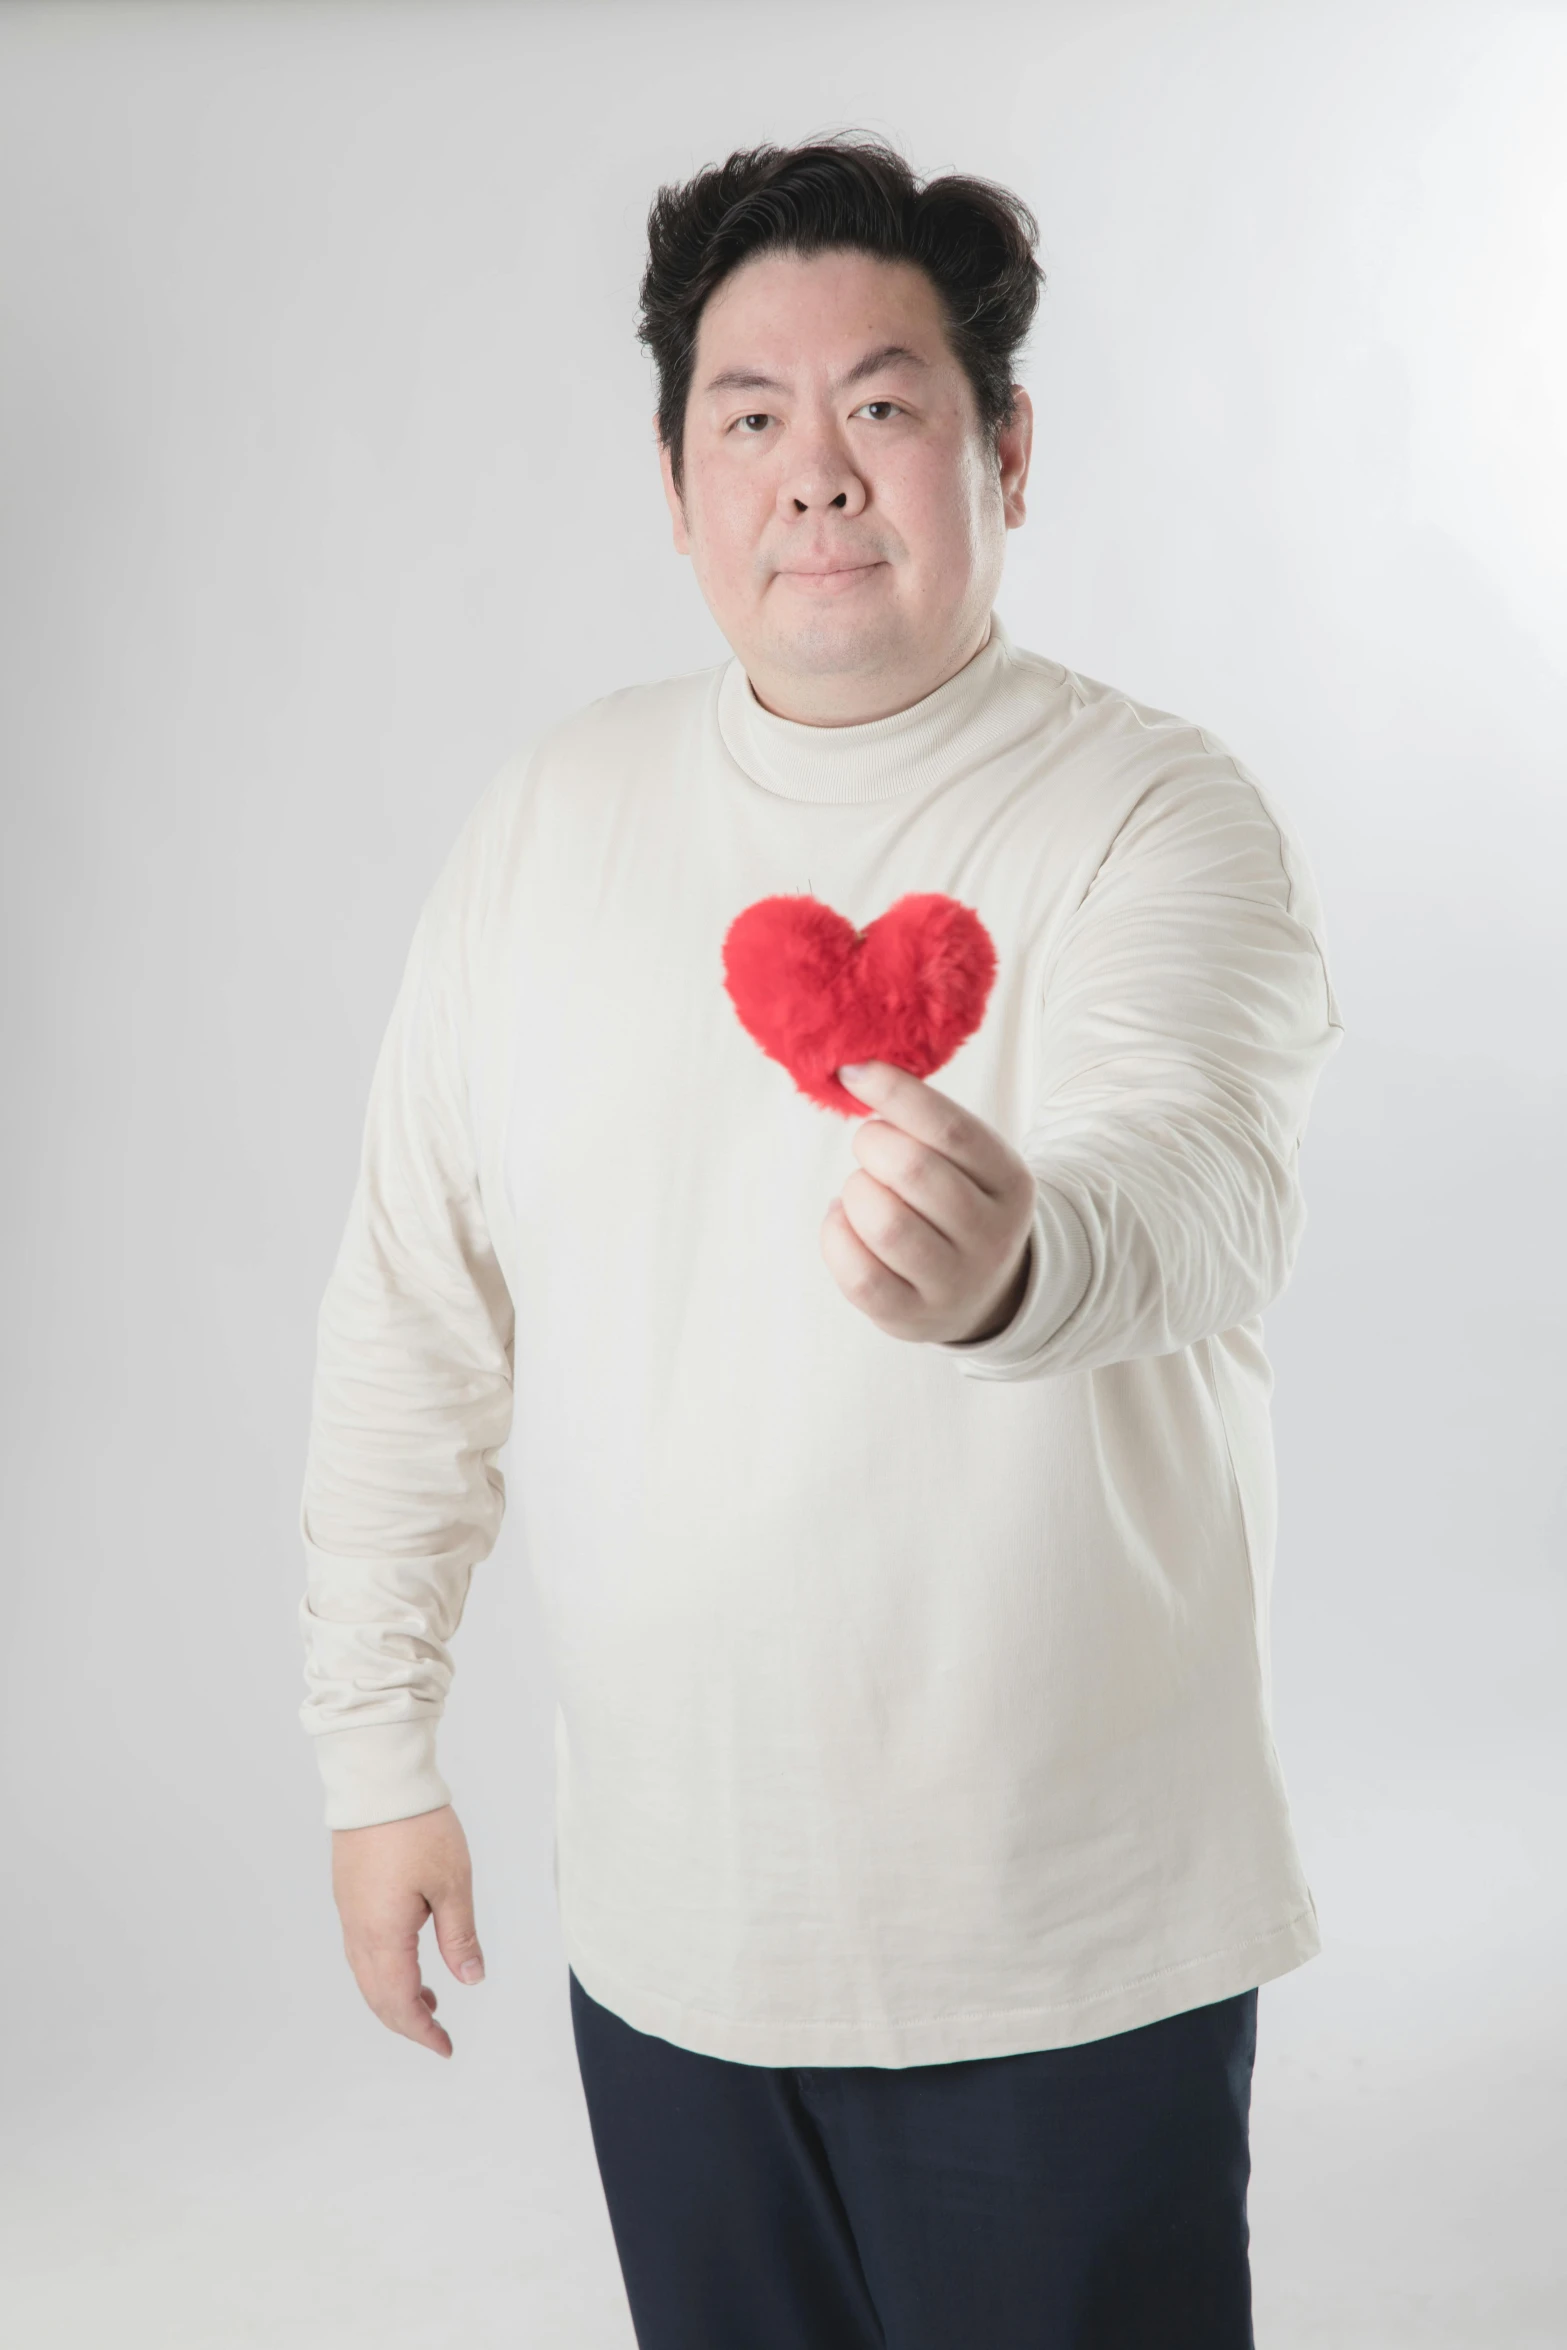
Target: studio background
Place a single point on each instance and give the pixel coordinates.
(328, 482)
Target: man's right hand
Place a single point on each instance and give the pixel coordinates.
(386, 1881)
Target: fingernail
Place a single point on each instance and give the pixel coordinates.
(852, 1071)
(471, 1971)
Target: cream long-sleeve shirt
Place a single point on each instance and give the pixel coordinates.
(913, 1698)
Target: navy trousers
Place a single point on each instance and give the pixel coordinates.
(1087, 2198)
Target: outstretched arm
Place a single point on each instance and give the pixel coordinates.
(1154, 1199)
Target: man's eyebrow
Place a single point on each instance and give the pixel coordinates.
(750, 379)
(742, 379)
(890, 355)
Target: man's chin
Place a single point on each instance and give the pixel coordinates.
(833, 645)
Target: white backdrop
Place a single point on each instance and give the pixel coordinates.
(328, 482)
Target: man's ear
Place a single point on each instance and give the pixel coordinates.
(1014, 447)
(672, 497)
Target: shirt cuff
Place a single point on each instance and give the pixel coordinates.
(1060, 1268)
(377, 1771)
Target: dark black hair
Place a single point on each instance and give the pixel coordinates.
(974, 240)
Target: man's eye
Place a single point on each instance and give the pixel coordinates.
(887, 408)
(753, 423)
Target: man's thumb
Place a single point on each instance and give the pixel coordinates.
(456, 1939)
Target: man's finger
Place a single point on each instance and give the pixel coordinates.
(899, 1236)
(455, 1936)
(932, 1186)
(388, 1975)
(932, 1117)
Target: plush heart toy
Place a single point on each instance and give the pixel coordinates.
(815, 992)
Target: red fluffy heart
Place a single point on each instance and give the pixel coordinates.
(815, 992)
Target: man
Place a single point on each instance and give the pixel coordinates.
(921, 1841)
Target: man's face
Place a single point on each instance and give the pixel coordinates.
(843, 509)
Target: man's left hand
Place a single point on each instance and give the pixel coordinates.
(930, 1235)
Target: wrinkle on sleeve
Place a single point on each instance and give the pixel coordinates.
(411, 1399)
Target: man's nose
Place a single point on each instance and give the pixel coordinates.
(822, 479)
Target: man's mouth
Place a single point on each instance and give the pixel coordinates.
(817, 575)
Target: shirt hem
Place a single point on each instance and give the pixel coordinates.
(955, 2037)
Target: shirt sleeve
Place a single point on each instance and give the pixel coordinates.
(1187, 1014)
(411, 1401)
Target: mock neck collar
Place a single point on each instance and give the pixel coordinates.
(923, 745)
